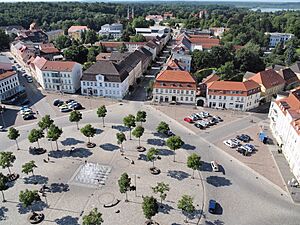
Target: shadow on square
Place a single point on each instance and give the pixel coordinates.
(156, 142)
(218, 181)
(109, 147)
(36, 179)
(67, 220)
(177, 174)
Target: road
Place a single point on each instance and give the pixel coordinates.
(244, 197)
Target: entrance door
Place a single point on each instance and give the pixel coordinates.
(174, 98)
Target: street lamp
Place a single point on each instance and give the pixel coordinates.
(90, 94)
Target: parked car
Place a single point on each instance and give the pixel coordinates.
(169, 133)
(236, 141)
(2, 129)
(70, 100)
(199, 125)
(76, 106)
(244, 137)
(218, 118)
(57, 102)
(212, 206)
(28, 117)
(187, 119)
(65, 109)
(196, 116)
(230, 143)
(29, 79)
(193, 117)
(26, 111)
(214, 166)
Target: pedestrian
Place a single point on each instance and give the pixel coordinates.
(37, 112)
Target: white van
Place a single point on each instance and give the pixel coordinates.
(214, 166)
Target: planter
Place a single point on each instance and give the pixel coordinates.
(149, 222)
(37, 151)
(90, 145)
(12, 177)
(35, 218)
(154, 170)
(140, 148)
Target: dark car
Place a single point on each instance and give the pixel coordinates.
(57, 102)
(169, 133)
(244, 137)
(212, 206)
(70, 100)
(29, 117)
(199, 126)
(77, 106)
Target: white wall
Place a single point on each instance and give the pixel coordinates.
(166, 95)
(9, 86)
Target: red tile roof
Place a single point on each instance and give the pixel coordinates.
(48, 48)
(7, 74)
(62, 66)
(268, 78)
(206, 43)
(175, 76)
(39, 62)
(211, 78)
(77, 28)
(232, 85)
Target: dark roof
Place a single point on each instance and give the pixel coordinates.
(151, 44)
(130, 62)
(8, 28)
(145, 51)
(296, 67)
(276, 67)
(288, 75)
(141, 55)
(111, 71)
(117, 56)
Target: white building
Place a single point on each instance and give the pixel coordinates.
(233, 95)
(174, 85)
(115, 30)
(276, 38)
(154, 31)
(9, 85)
(62, 76)
(184, 59)
(284, 117)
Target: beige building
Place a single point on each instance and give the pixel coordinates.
(75, 31)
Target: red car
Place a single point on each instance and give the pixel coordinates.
(189, 120)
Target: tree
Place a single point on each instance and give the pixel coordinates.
(54, 133)
(150, 207)
(226, 71)
(45, 122)
(28, 197)
(77, 53)
(129, 121)
(75, 116)
(88, 131)
(93, 218)
(141, 117)
(3, 185)
(163, 127)
(121, 138)
(91, 37)
(124, 184)
(4, 40)
(6, 160)
(29, 167)
(174, 143)
(35, 135)
(186, 205)
(13, 134)
(161, 188)
(194, 162)
(151, 154)
(62, 42)
(101, 112)
(138, 133)
(138, 38)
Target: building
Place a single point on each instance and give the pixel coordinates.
(53, 34)
(284, 117)
(152, 47)
(184, 59)
(168, 15)
(9, 30)
(156, 18)
(5, 63)
(114, 30)
(48, 51)
(276, 38)
(154, 31)
(34, 36)
(296, 68)
(75, 31)
(270, 83)
(218, 31)
(62, 76)
(289, 77)
(174, 86)
(233, 95)
(9, 85)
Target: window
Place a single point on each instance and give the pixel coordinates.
(220, 104)
(186, 98)
(105, 84)
(187, 92)
(192, 99)
(83, 82)
(192, 92)
(174, 91)
(214, 97)
(220, 97)
(181, 98)
(231, 98)
(117, 85)
(224, 97)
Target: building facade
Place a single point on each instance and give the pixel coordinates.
(114, 30)
(174, 86)
(9, 85)
(276, 38)
(75, 31)
(241, 96)
(284, 117)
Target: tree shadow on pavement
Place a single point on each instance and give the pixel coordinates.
(71, 141)
(218, 181)
(3, 211)
(109, 147)
(195, 214)
(188, 147)
(77, 152)
(216, 222)
(37, 207)
(177, 174)
(205, 166)
(36, 179)
(160, 135)
(165, 152)
(155, 141)
(58, 188)
(165, 208)
(120, 128)
(67, 220)
(142, 157)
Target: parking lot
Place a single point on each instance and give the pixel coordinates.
(234, 123)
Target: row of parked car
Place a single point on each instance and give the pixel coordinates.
(235, 143)
(27, 113)
(68, 105)
(202, 120)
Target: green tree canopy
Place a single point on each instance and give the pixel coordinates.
(45, 122)
(138, 133)
(129, 121)
(3, 185)
(29, 167)
(186, 205)
(161, 188)
(54, 133)
(35, 135)
(141, 117)
(88, 131)
(121, 138)
(13, 134)
(62, 42)
(93, 218)
(174, 143)
(101, 112)
(194, 162)
(162, 127)
(4, 40)
(75, 116)
(124, 184)
(150, 207)
(6, 160)
(27, 197)
(137, 38)
(151, 155)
